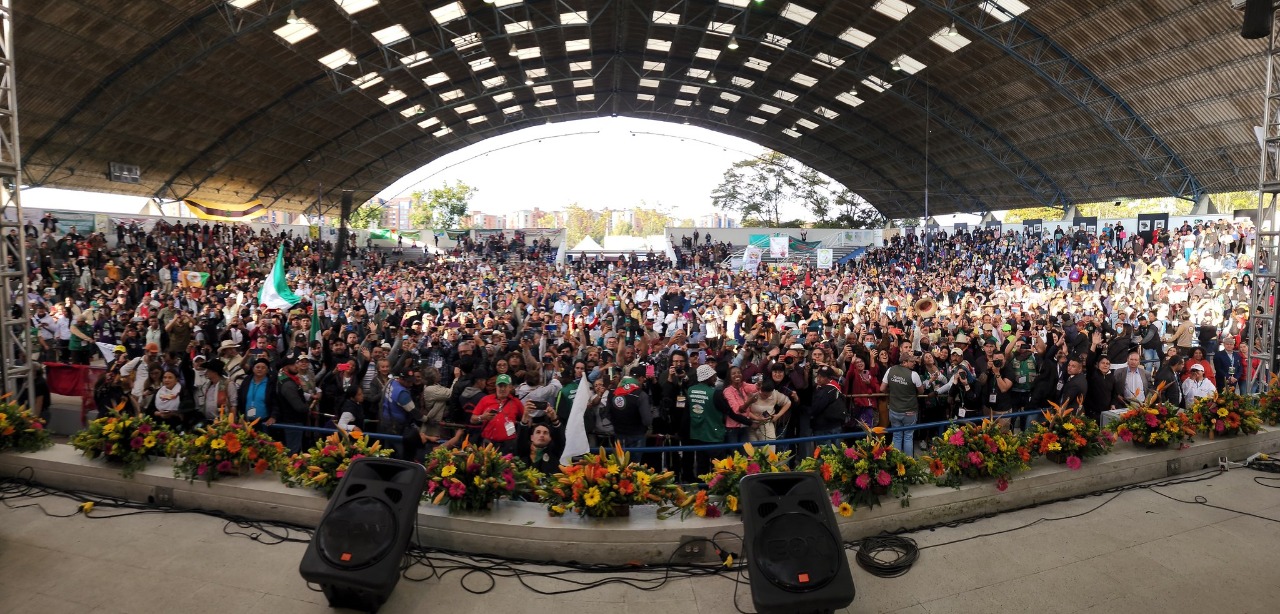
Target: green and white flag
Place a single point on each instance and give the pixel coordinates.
(275, 293)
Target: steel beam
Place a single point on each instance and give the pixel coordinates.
(17, 356)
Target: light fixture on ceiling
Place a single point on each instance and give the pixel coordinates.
(293, 17)
(712, 79)
(895, 65)
(528, 81)
(951, 30)
(514, 50)
(351, 60)
(733, 43)
(686, 121)
(392, 91)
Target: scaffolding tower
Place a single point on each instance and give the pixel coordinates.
(16, 357)
(1263, 313)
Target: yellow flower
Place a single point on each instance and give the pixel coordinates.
(902, 470)
(731, 502)
(557, 510)
(200, 441)
(448, 470)
(592, 498)
(1222, 412)
(1002, 444)
(107, 428)
(478, 481)
(217, 444)
(1069, 426)
(642, 478)
(150, 441)
(845, 509)
(1055, 446)
(613, 469)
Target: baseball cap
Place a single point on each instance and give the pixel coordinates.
(152, 347)
(957, 352)
(1197, 367)
(826, 371)
(503, 379)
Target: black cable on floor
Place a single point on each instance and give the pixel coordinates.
(887, 556)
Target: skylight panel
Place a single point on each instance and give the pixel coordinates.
(573, 18)
(367, 81)
(477, 119)
(581, 44)
(893, 9)
(666, 18)
(653, 83)
(493, 82)
(707, 54)
(804, 79)
(579, 83)
(452, 95)
(952, 43)
(656, 44)
(517, 27)
(827, 113)
(481, 64)
(719, 27)
(797, 13)
(528, 53)
(512, 110)
(503, 3)
(466, 108)
(583, 66)
(857, 38)
(829, 61)
(849, 98)
(242, 4)
(351, 7)
(775, 41)
(645, 97)
(770, 109)
(785, 95)
(690, 89)
(1012, 8)
(757, 120)
(442, 132)
(757, 64)
(543, 89)
(698, 73)
(503, 97)
(337, 59)
(545, 103)
(390, 34)
(416, 109)
(791, 133)
(719, 109)
(436, 79)
(876, 83)
(806, 123)
(448, 12)
(658, 66)
(909, 64)
(730, 96)
(680, 102)
(586, 97)
(391, 97)
(738, 3)
(743, 82)
(417, 59)
(428, 122)
(294, 32)
(466, 41)
(533, 73)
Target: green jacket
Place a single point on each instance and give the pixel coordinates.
(706, 423)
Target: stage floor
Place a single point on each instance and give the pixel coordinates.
(1138, 553)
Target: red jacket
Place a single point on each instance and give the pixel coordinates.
(508, 413)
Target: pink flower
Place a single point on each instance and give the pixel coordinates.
(753, 469)
(1073, 462)
(851, 454)
(457, 489)
(1152, 421)
(713, 511)
(144, 428)
(432, 486)
(202, 469)
(1002, 484)
(883, 478)
(339, 473)
(956, 439)
(136, 443)
(835, 499)
(224, 467)
(975, 458)
(863, 481)
(37, 426)
(1126, 435)
(357, 457)
(1219, 426)
(715, 481)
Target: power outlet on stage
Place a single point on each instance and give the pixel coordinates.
(162, 496)
(693, 548)
(1173, 467)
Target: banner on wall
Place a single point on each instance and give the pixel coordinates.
(779, 247)
(455, 235)
(484, 233)
(1033, 226)
(1090, 224)
(225, 212)
(751, 258)
(85, 223)
(825, 257)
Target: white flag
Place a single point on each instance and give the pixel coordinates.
(108, 352)
(575, 430)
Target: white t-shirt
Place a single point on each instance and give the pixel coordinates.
(167, 398)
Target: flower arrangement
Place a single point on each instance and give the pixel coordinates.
(609, 483)
(1269, 402)
(323, 466)
(723, 481)
(1068, 438)
(859, 474)
(1226, 414)
(1155, 425)
(471, 478)
(21, 430)
(129, 440)
(224, 447)
(977, 450)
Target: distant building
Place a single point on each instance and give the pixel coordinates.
(395, 213)
(621, 221)
(485, 221)
(716, 220)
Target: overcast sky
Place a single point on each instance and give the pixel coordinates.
(597, 163)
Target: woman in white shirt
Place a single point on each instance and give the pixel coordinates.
(768, 407)
(1196, 387)
(167, 398)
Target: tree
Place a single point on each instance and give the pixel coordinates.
(442, 207)
(647, 222)
(545, 219)
(759, 188)
(581, 222)
(368, 215)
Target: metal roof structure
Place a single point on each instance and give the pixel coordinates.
(1052, 102)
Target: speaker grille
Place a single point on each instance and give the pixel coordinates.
(357, 534)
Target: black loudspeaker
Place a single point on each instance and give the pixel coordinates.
(356, 552)
(794, 552)
(1257, 18)
(344, 215)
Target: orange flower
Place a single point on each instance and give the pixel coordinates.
(253, 453)
(826, 472)
(233, 443)
(260, 466)
(937, 467)
(279, 446)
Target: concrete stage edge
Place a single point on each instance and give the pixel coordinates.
(525, 531)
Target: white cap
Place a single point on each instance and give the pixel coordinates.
(706, 372)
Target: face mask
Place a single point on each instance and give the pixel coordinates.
(869, 344)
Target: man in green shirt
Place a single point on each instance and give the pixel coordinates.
(706, 423)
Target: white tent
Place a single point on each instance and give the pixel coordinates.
(587, 244)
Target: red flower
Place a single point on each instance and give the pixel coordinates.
(1073, 462)
(1002, 484)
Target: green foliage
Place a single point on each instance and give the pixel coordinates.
(761, 188)
(442, 207)
(366, 216)
(581, 222)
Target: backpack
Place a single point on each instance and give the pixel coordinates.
(127, 380)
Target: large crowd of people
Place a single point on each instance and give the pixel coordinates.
(946, 325)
